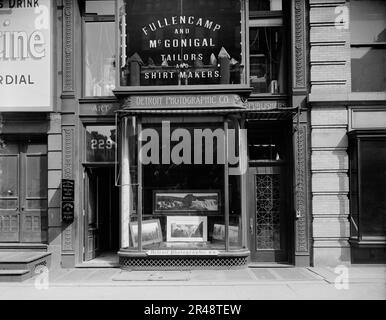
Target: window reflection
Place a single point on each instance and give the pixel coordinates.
(368, 21)
(368, 53)
(368, 67)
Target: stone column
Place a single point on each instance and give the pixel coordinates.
(330, 87)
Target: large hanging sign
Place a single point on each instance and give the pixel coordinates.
(25, 55)
(180, 42)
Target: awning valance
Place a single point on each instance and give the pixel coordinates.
(278, 114)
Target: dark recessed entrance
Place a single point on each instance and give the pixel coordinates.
(101, 217)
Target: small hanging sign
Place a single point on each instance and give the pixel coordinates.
(68, 189)
(68, 186)
(68, 211)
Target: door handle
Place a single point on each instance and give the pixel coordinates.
(251, 225)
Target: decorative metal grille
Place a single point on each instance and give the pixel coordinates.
(42, 263)
(267, 211)
(182, 263)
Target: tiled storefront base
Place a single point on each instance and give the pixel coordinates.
(183, 262)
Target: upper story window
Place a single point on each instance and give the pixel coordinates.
(99, 48)
(267, 57)
(368, 45)
(180, 42)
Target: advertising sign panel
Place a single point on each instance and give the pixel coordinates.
(25, 55)
(181, 42)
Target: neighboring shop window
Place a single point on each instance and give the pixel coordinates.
(180, 42)
(183, 203)
(368, 45)
(100, 143)
(267, 57)
(99, 48)
(368, 185)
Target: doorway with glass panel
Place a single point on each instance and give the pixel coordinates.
(23, 189)
(269, 191)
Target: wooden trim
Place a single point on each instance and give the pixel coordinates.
(241, 89)
(96, 99)
(226, 186)
(243, 162)
(140, 185)
(368, 44)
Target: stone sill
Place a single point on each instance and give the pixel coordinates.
(349, 98)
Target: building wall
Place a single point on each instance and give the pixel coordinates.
(330, 102)
(330, 85)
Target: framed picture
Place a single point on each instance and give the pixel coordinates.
(151, 232)
(219, 233)
(185, 201)
(186, 228)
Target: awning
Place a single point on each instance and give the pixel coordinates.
(275, 114)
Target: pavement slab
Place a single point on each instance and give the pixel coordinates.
(367, 274)
(152, 276)
(245, 284)
(285, 274)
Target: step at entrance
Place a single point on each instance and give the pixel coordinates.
(14, 275)
(19, 266)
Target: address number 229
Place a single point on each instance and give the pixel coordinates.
(101, 144)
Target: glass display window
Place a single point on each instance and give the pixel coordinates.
(183, 206)
(179, 42)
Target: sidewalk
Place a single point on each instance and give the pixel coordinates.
(363, 282)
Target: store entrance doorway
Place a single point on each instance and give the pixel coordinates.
(269, 192)
(23, 189)
(101, 213)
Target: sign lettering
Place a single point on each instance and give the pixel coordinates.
(25, 55)
(182, 252)
(184, 42)
(170, 101)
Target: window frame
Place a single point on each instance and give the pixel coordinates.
(367, 44)
(224, 195)
(93, 18)
(244, 78)
(356, 137)
(267, 19)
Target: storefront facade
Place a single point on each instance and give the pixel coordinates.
(206, 173)
(182, 134)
